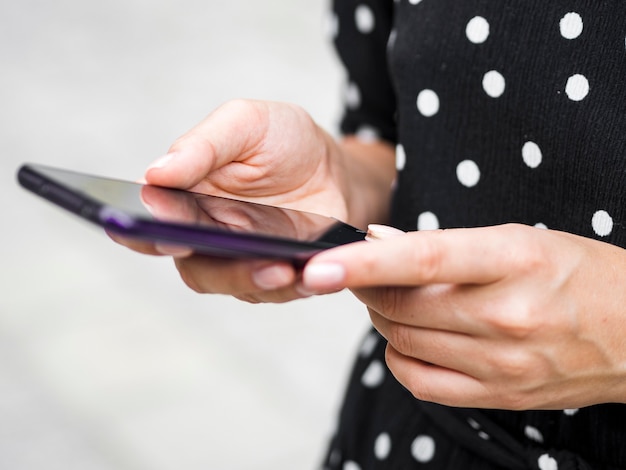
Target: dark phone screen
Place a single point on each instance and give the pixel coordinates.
(165, 205)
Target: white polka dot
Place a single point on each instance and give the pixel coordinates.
(531, 153)
(423, 449)
(391, 42)
(577, 87)
(571, 411)
(477, 30)
(352, 96)
(414, 2)
(547, 463)
(571, 25)
(364, 17)
(382, 446)
(602, 223)
(331, 26)
(468, 173)
(400, 157)
(335, 458)
(373, 375)
(533, 434)
(367, 134)
(368, 345)
(427, 221)
(428, 103)
(476, 426)
(494, 84)
(351, 466)
(473, 423)
(541, 226)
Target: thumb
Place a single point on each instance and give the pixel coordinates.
(233, 132)
(381, 232)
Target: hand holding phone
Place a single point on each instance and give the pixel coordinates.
(265, 152)
(275, 154)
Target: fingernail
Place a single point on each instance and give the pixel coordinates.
(173, 250)
(146, 203)
(161, 162)
(320, 277)
(272, 277)
(380, 232)
(303, 291)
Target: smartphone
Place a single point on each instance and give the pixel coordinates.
(207, 224)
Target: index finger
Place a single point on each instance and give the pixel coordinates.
(456, 256)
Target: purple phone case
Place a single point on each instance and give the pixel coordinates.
(67, 190)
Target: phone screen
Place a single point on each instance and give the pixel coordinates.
(211, 224)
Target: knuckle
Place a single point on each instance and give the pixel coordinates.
(506, 396)
(369, 262)
(237, 105)
(248, 298)
(427, 260)
(252, 110)
(388, 302)
(512, 319)
(515, 401)
(520, 324)
(529, 256)
(514, 366)
(414, 383)
(190, 281)
(514, 369)
(420, 391)
(399, 336)
(188, 276)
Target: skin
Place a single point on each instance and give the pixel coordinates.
(508, 317)
(271, 153)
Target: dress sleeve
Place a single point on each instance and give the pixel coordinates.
(362, 30)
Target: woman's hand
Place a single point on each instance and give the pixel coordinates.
(508, 317)
(271, 153)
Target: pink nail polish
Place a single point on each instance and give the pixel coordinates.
(380, 232)
(161, 162)
(322, 277)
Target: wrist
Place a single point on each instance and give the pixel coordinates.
(369, 172)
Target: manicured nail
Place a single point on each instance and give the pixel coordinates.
(380, 232)
(303, 291)
(161, 162)
(272, 277)
(176, 251)
(321, 277)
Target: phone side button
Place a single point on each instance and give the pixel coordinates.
(113, 216)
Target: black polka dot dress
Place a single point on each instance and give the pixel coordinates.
(501, 111)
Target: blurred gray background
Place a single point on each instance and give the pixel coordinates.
(106, 360)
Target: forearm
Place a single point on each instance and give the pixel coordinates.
(369, 169)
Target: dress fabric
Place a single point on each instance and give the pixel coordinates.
(501, 111)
